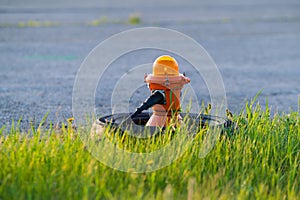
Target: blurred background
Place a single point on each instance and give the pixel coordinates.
(255, 44)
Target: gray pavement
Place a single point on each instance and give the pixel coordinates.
(255, 44)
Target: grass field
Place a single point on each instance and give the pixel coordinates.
(260, 161)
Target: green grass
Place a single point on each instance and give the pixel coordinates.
(134, 19)
(261, 161)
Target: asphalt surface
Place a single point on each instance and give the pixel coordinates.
(255, 44)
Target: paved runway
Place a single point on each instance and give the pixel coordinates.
(256, 46)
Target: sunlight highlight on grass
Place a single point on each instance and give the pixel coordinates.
(260, 161)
